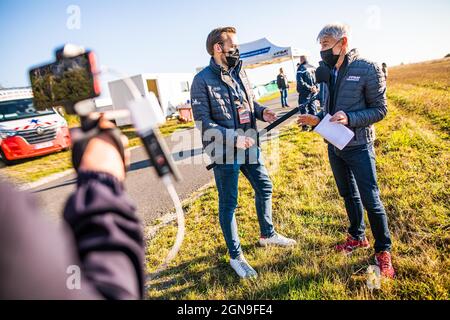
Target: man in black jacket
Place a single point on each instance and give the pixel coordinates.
(97, 254)
(355, 97)
(283, 86)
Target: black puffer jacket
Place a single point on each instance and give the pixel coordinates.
(215, 109)
(282, 82)
(361, 94)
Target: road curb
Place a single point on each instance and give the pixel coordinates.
(169, 217)
(51, 178)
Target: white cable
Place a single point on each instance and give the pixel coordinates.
(126, 79)
(167, 183)
(181, 224)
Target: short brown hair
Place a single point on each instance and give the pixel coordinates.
(216, 36)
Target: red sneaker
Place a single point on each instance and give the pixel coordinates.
(351, 244)
(384, 261)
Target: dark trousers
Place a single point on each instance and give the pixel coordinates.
(356, 178)
(306, 109)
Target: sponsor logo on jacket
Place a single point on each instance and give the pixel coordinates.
(353, 78)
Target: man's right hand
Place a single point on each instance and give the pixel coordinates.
(314, 90)
(243, 142)
(308, 120)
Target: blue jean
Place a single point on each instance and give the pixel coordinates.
(226, 176)
(356, 178)
(284, 95)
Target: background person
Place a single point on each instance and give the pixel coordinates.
(283, 86)
(101, 236)
(385, 70)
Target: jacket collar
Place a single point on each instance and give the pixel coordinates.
(219, 70)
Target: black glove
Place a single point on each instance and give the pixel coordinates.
(91, 129)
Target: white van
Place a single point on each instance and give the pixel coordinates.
(26, 132)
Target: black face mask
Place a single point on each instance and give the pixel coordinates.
(329, 57)
(233, 58)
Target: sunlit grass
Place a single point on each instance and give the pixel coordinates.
(275, 95)
(31, 170)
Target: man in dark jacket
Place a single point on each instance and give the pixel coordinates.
(99, 251)
(226, 112)
(283, 86)
(306, 87)
(355, 97)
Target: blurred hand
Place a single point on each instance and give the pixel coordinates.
(244, 142)
(308, 120)
(340, 117)
(269, 116)
(102, 155)
(315, 90)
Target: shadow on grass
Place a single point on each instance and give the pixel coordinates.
(220, 273)
(60, 185)
(177, 156)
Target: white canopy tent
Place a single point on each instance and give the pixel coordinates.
(262, 52)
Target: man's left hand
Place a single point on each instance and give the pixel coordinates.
(340, 117)
(102, 154)
(269, 116)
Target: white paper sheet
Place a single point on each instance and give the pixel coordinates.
(335, 133)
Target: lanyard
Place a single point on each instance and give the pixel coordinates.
(237, 90)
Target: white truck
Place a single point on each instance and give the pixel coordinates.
(26, 132)
(171, 90)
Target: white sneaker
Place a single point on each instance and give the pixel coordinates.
(277, 240)
(242, 268)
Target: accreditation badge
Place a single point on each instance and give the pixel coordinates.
(244, 115)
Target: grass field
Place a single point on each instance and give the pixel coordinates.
(413, 160)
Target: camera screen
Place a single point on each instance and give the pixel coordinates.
(68, 80)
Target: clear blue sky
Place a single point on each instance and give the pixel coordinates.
(139, 36)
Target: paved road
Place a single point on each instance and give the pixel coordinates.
(142, 182)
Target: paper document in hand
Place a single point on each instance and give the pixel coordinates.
(335, 133)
